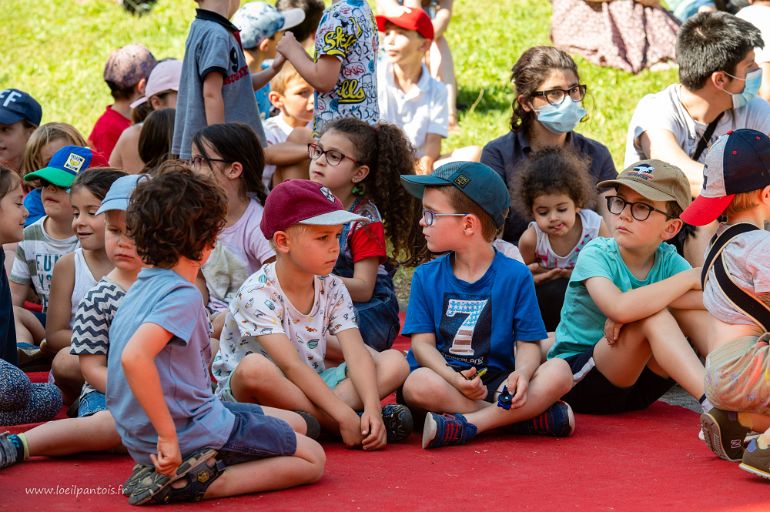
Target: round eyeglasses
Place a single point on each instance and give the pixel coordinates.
(429, 217)
(556, 96)
(639, 211)
(333, 157)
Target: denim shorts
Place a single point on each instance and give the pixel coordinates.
(256, 436)
(91, 403)
(378, 318)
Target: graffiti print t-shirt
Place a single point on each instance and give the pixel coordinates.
(347, 32)
(475, 324)
(261, 308)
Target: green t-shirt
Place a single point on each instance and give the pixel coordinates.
(582, 322)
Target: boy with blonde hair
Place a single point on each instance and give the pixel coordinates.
(291, 316)
(736, 184)
(632, 301)
(467, 312)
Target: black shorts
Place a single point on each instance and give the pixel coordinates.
(493, 380)
(592, 393)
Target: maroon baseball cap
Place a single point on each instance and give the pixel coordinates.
(303, 202)
(408, 18)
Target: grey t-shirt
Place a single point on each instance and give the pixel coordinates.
(664, 110)
(745, 259)
(213, 46)
(162, 297)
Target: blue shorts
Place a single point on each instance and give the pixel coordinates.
(255, 436)
(91, 403)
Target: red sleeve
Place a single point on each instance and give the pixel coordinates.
(368, 241)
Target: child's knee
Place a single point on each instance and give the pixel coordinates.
(394, 363)
(254, 371)
(557, 375)
(309, 450)
(66, 367)
(422, 386)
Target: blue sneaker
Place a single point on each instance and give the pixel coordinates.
(446, 430)
(8, 451)
(756, 460)
(557, 421)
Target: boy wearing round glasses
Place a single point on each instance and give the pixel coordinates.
(633, 302)
(467, 310)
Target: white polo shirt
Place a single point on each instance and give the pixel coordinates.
(421, 110)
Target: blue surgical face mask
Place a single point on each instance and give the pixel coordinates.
(562, 118)
(753, 80)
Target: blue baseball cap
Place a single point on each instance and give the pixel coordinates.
(120, 192)
(479, 182)
(66, 164)
(258, 21)
(16, 105)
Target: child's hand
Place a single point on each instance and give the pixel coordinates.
(288, 44)
(517, 387)
(169, 457)
(350, 430)
(470, 385)
(278, 62)
(612, 330)
(373, 430)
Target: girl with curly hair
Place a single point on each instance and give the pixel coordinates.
(361, 165)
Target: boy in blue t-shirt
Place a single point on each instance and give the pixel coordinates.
(467, 310)
(158, 384)
(633, 302)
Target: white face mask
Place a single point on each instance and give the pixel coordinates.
(753, 80)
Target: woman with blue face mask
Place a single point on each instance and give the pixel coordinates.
(547, 108)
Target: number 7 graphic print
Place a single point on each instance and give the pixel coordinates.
(463, 340)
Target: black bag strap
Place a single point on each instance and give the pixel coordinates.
(704, 139)
(744, 301)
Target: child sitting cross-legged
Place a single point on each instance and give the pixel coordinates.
(158, 383)
(467, 311)
(274, 343)
(736, 184)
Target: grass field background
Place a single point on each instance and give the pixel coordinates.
(56, 50)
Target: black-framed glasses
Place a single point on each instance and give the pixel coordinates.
(429, 217)
(639, 211)
(333, 157)
(198, 160)
(556, 96)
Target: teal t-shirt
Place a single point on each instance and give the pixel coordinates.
(582, 322)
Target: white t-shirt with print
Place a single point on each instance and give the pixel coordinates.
(261, 308)
(664, 110)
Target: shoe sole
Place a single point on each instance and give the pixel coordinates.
(404, 424)
(428, 430)
(158, 485)
(712, 434)
(754, 471)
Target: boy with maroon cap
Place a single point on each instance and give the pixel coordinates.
(736, 291)
(408, 96)
(292, 315)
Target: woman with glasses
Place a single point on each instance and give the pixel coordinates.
(631, 35)
(547, 108)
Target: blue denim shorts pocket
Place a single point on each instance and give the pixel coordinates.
(91, 403)
(256, 436)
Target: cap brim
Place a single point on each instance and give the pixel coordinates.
(415, 185)
(8, 117)
(292, 18)
(52, 175)
(645, 190)
(705, 210)
(138, 102)
(333, 218)
(118, 203)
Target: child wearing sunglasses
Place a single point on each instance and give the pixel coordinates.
(632, 302)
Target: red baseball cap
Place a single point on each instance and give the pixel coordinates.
(408, 18)
(303, 202)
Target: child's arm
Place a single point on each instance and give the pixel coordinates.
(641, 302)
(138, 360)
(426, 353)
(258, 80)
(213, 104)
(286, 357)
(528, 358)
(432, 150)
(94, 369)
(540, 274)
(285, 153)
(58, 334)
(361, 285)
(19, 293)
(321, 75)
(690, 300)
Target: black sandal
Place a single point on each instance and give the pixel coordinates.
(154, 484)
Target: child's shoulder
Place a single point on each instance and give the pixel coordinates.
(36, 230)
(752, 242)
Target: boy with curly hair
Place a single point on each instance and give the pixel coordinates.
(158, 386)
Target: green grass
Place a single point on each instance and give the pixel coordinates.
(56, 50)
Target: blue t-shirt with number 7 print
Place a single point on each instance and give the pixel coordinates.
(475, 324)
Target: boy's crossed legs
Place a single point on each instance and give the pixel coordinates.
(426, 390)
